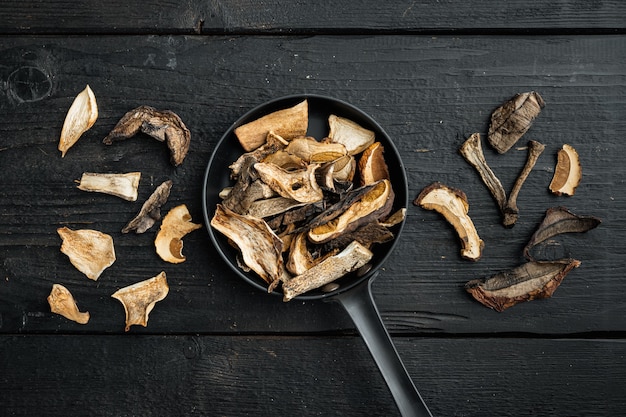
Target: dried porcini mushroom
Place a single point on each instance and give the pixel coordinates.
(62, 302)
(472, 151)
(310, 150)
(559, 220)
(289, 123)
(452, 204)
(162, 125)
(568, 172)
(297, 185)
(139, 299)
(352, 135)
(81, 115)
(350, 259)
(260, 247)
(169, 240)
(120, 185)
(510, 121)
(372, 165)
(90, 251)
(150, 210)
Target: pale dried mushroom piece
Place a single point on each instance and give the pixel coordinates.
(150, 211)
(372, 165)
(273, 145)
(330, 269)
(568, 172)
(529, 281)
(452, 204)
(162, 125)
(120, 185)
(510, 121)
(80, 117)
(169, 240)
(297, 185)
(312, 151)
(139, 299)
(288, 123)
(62, 302)
(90, 251)
(353, 136)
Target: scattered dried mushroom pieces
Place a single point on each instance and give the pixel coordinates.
(80, 117)
(120, 185)
(62, 302)
(90, 251)
(452, 204)
(512, 120)
(139, 299)
(169, 240)
(150, 211)
(568, 172)
(294, 211)
(162, 125)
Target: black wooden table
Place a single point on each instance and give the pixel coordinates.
(430, 73)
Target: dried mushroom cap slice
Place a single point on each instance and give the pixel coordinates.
(139, 299)
(529, 281)
(90, 251)
(568, 172)
(353, 136)
(298, 185)
(260, 247)
(312, 151)
(289, 123)
(80, 117)
(163, 125)
(510, 121)
(150, 210)
(120, 185)
(372, 165)
(169, 240)
(62, 302)
(452, 204)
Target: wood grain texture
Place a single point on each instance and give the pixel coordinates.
(269, 376)
(246, 16)
(428, 94)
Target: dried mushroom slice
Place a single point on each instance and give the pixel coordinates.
(139, 299)
(120, 185)
(568, 172)
(559, 220)
(162, 125)
(312, 151)
(529, 281)
(289, 123)
(350, 259)
(372, 165)
(169, 240)
(353, 136)
(260, 247)
(62, 302)
(297, 185)
(90, 251)
(452, 204)
(273, 145)
(80, 117)
(150, 210)
(510, 121)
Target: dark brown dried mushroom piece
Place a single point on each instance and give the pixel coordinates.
(510, 121)
(452, 204)
(273, 144)
(162, 125)
(568, 172)
(150, 211)
(529, 281)
(559, 220)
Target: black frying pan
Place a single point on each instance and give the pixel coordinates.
(354, 292)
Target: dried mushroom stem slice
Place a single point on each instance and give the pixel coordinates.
(162, 125)
(260, 247)
(297, 185)
(452, 204)
(120, 185)
(139, 299)
(150, 210)
(529, 281)
(169, 240)
(90, 251)
(80, 117)
(289, 123)
(350, 259)
(559, 220)
(353, 136)
(510, 121)
(568, 172)
(62, 302)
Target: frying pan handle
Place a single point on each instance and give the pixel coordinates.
(359, 303)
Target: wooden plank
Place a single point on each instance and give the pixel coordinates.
(428, 93)
(269, 376)
(172, 17)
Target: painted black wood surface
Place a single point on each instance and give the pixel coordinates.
(216, 346)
